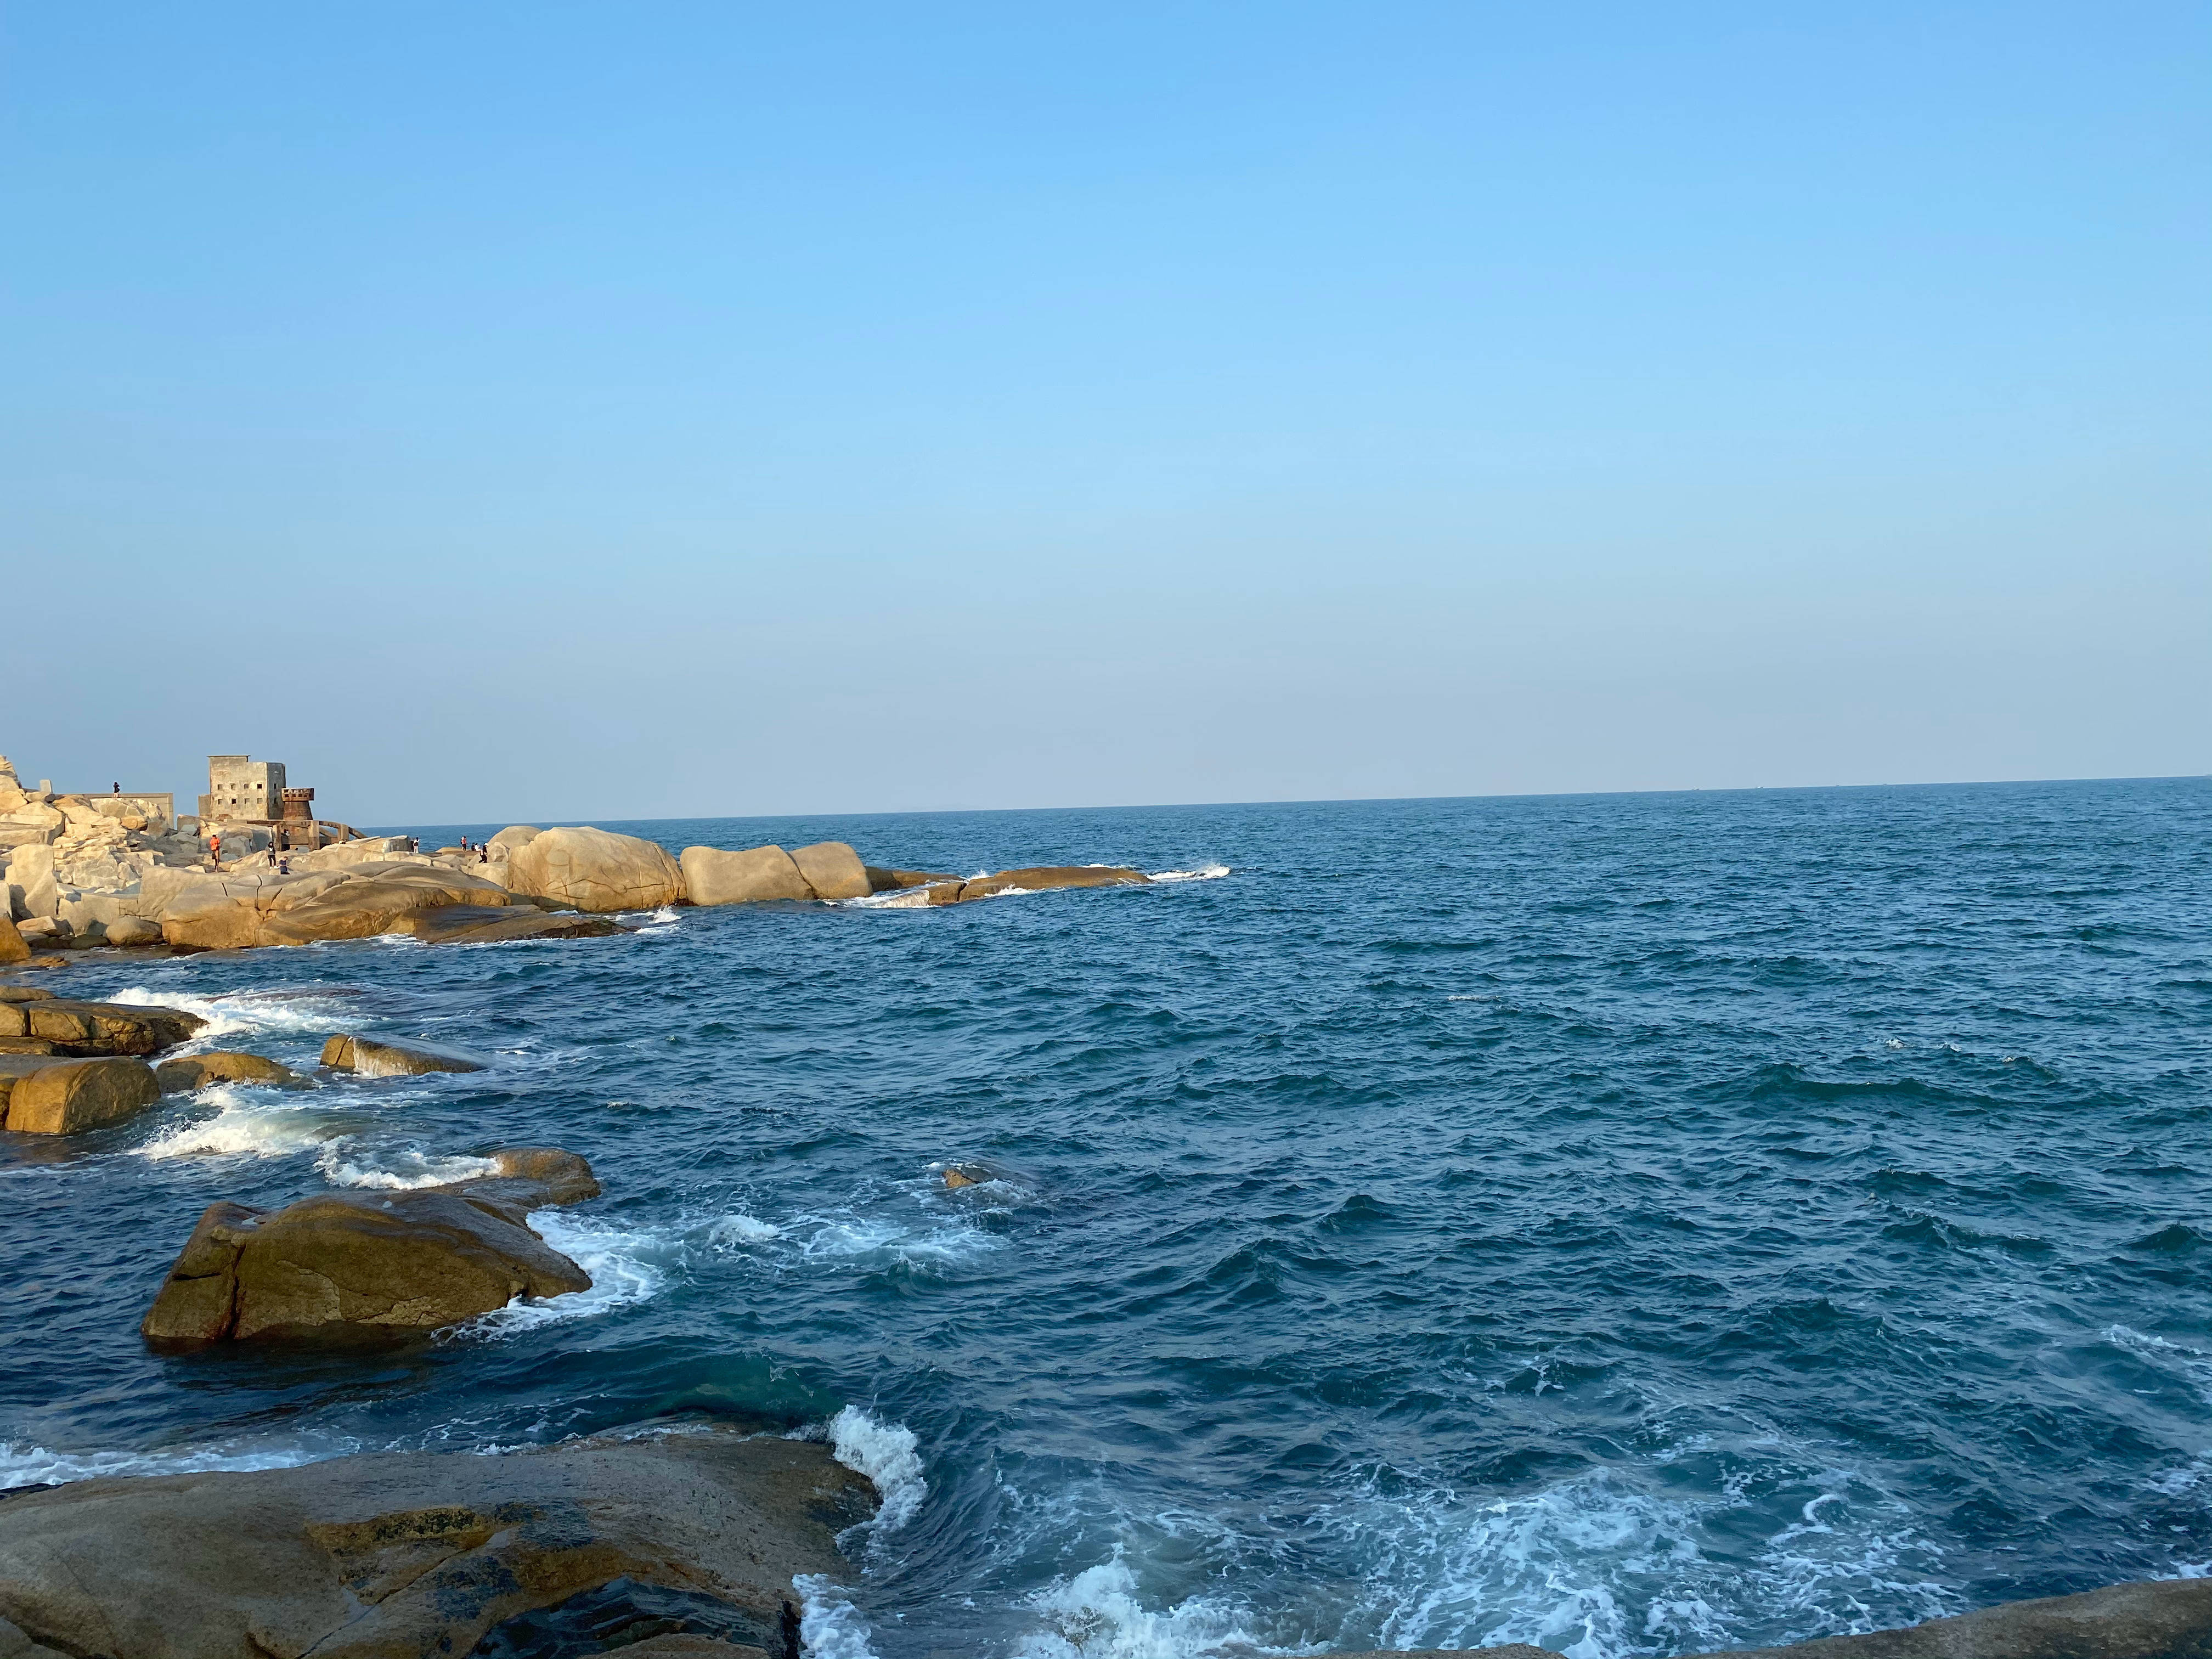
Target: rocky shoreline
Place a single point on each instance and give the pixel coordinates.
(665, 1539)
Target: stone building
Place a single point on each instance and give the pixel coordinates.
(241, 787)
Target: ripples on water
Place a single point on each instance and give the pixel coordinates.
(1633, 1223)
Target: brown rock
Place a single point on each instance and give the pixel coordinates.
(406, 1553)
(371, 1057)
(394, 1264)
(12, 948)
(107, 1028)
(713, 876)
(27, 1045)
(178, 1077)
(131, 933)
(23, 994)
(832, 869)
(596, 869)
(1049, 877)
(476, 924)
(69, 1096)
(944, 892)
(892, 881)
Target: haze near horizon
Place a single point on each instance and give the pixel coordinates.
(533, 413)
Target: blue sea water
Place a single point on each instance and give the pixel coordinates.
(1636, 1224)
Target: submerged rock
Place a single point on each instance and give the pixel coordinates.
(596, 869)
(178, 1077)
(371, 1057)
(413, 1553)
(70, 1096)
(391, 1263)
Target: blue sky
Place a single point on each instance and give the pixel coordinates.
(560, 411)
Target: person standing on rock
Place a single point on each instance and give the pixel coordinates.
(214, 851)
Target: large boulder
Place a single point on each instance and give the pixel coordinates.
(503, 844)
(30, 889)
(713, 876)
(70, 1096)
(178, 1077)
(596, 869)
(372, 1058)
(370, 1262)
(832, 869)
(413, 1553)
(12, 948)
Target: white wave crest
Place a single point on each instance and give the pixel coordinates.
(236, 1013)
(345, 1166)
(1097, 1615)
(876, 1241)
(830, 1626)
(1204, 872)
(242, 1126)
(887, 1454)
(623, 1267)
(1567, 1568)
(906, 898)
(738, 1228)
(34, 1465)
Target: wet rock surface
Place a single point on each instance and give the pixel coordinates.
(371, 1057)
(192, 1071)
(392, 1264)
(411, 1553)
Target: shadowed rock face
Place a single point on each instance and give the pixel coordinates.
(409, 1554)
(480, 924)
(390, 1264)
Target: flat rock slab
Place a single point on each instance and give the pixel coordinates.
(61, 1097)
(391, 1264)
(478, 924)
(371, 1057)
(192, 1071)
(97, 1028)
(1036, 878)
(409, 1553)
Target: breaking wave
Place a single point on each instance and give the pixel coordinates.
(625, 1267)
(244, 1126)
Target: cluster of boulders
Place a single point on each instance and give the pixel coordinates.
(82, 871)
(67, 1067)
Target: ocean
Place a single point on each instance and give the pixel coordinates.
(1630, 1224)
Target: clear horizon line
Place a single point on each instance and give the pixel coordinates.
(556, 822)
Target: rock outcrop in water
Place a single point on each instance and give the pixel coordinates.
(596, 871)
(388, 1263)
(826, 870)
(373, 1057)
(57, 1025)
(178, 1077)
(411, 1553)
(1034, 878)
